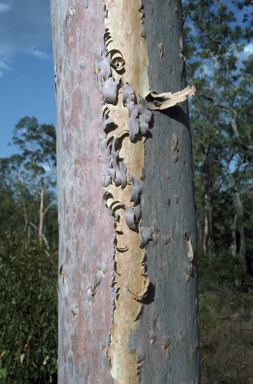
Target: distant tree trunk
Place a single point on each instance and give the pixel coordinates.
(207, 233)
(27, 230)
(41, 212)
(233, 245)
(209, 190)
(240, 238)
(240, 226)
(127, 252)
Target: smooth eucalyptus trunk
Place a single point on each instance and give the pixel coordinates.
(127, 253)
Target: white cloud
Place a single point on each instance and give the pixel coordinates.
(243, 55)
(26, 29)
(4, 66)
(248, 49)
(38, 53)
(4, 8)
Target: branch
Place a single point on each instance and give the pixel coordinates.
(232, 121)
(29, 189)
(49, 206)
(209, 36)
(35, 227)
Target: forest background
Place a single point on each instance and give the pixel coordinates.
(216, 34)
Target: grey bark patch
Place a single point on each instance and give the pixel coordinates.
(161, 49)
(105, 68)
(117, 61)
(176, 199)
(137, 190)
(110, 91)
(174, 297)
(132, 342)
(174, 147)
(132, 216)
(139, 115)
(166, 341)
(115, 169)
(104, 357)
(85, 4)
(152, 337)
(166, 239)
(82, 63)
(146, 235)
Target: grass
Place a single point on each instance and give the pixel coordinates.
(226, 335)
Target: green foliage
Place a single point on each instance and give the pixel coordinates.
(226, 328)
(36, 143)
(10, 213)
(222, 269)
(225, 319)
(28, 307)
(28, 203)
(221, 122)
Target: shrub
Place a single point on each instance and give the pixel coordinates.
(28, 307)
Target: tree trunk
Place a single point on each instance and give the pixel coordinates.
(240, 226)
(27, 232)
(127, 263)
(41, 212)
(207, 233)
(233, 245)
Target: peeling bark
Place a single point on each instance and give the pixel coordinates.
(127, 268)
(127, 79)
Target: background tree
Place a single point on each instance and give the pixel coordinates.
(217, 34)
(29, 181)
(28, 215)
(127, 263)
(221, 121)
(28, 307)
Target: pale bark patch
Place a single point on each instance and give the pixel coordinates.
(122, 72)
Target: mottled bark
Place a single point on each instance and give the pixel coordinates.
(86, 228)
(127, 262)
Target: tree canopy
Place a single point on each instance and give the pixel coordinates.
(216, 34)
(29, 182)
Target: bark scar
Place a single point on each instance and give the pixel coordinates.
(190, 254)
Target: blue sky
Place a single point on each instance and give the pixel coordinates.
(26, 66)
